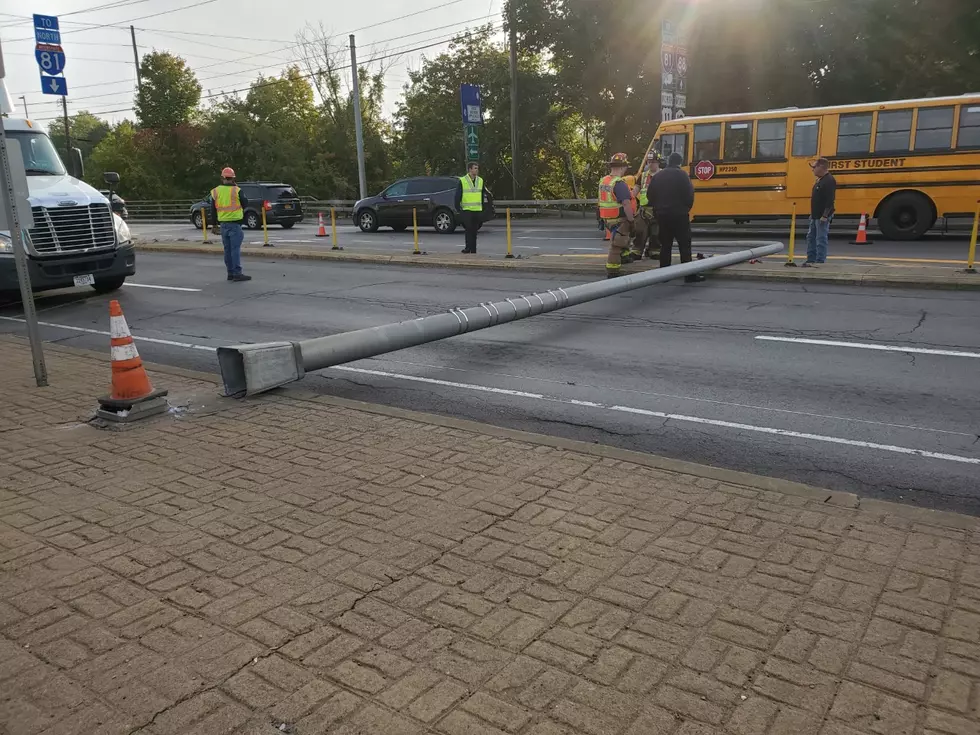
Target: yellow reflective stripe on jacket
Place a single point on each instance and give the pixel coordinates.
(609, 208)
(226, 203)
(472, 200)
(644, 183)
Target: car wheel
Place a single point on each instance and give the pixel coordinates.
(444, 222)
(252, 220)
(367, 221)
(907, 215)
(108, 285)
(197, 219)
(287, 225)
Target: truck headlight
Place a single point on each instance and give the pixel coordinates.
(122, 229)
(6, 244)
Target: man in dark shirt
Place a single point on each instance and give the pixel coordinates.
(821, 213)
(671, 194)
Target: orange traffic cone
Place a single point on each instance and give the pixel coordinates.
(321, 230)
(862, 234)
(608, 236)
(132, 396)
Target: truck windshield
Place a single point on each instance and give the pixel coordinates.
(39, 154)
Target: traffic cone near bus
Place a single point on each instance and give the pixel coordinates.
(131, 395)
(321, 230)
(862, 233)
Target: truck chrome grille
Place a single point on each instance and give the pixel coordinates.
(70, 229)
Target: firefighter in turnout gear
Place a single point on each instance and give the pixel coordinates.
(616, 212)
(646, 231)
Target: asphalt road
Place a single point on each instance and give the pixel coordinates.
(565, 238)
(719, 373)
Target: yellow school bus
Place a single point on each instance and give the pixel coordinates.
(905, 163)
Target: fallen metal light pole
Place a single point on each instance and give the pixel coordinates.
(250, 369)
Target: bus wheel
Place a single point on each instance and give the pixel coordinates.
(907, 215)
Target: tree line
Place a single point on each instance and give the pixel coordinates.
(588, 85)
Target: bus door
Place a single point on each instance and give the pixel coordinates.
(803, 152)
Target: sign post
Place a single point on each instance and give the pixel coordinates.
(472, 107)
(16, 210)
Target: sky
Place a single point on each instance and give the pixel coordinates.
(227, 43)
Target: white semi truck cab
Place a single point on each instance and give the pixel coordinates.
(75, 239)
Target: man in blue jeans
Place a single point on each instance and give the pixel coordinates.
(821, 213)
(227, 210)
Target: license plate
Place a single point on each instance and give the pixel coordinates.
(288, 206)
(86, 280)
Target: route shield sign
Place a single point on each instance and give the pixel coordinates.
(50, 58)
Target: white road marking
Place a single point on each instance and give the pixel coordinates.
(164, 288)
(682, 418)
(84, 330)
(591, 250)
(676, 417)
(865, 346)
(674, 396)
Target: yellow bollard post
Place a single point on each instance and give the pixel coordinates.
(415, 231)
(265, 229)
(204, 225)
(972, 255)
(510, 251)
(790, 262)
(333, 229)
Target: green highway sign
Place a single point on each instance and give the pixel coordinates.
(472, 143)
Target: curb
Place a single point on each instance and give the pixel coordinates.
(959, 282)
(732, 477)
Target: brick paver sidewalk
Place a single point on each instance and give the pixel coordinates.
(294, 565)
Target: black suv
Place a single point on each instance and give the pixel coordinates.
(283, 206)
(433, 198)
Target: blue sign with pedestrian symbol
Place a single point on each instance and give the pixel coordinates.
(54, 85)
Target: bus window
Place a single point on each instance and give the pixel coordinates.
(934, 129)
(771, 145)
(854, 135)
(707, 142)
(738, 141)
(806, 136)
(894, 131)
(674, 142)
(969, 136)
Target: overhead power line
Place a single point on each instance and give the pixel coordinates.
(271, 82)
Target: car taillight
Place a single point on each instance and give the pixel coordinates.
(267, 204)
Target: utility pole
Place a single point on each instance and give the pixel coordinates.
(514, 152)
(358, 132)
(23, 98)
(136, 58)
(64, 112)
(16, 229)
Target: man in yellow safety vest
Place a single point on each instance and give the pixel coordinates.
(646, 231)
(616, 212)
(227, 210)
(469, 201)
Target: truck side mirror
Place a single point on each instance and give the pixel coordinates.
(77, 165)
(111, 178)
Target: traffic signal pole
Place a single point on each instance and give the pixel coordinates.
(254, 368)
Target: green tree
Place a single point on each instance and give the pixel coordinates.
(430, 125)
(170, 92)
(87, 131)
(138, 161)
